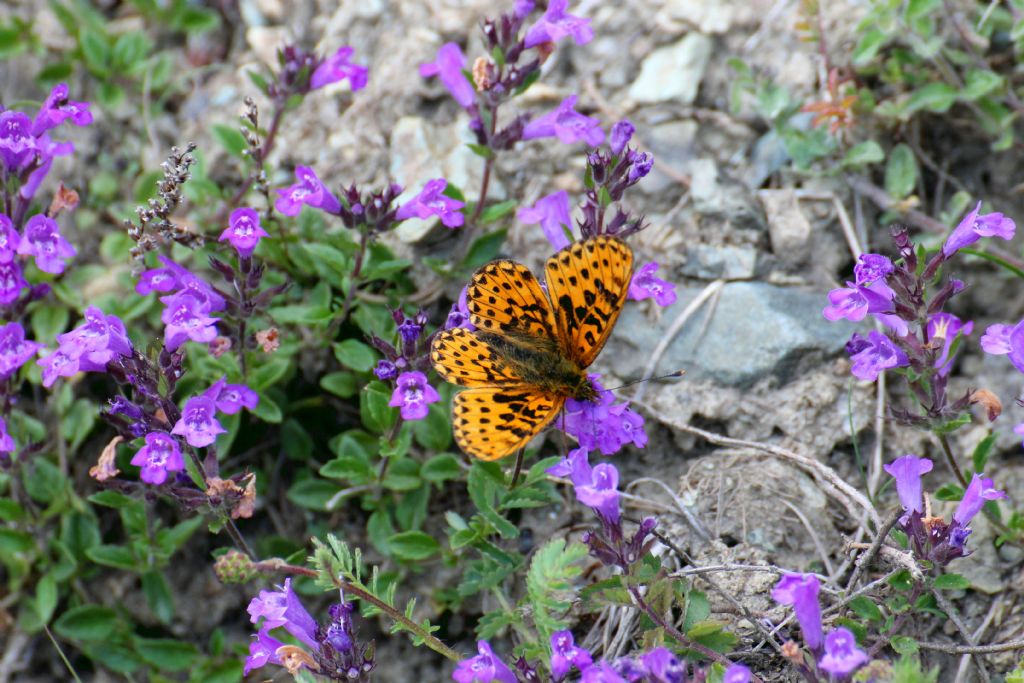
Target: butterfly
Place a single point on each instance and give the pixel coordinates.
(531, 349)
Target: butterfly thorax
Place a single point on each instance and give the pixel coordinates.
(539, 362)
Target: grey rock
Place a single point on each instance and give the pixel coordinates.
(729, 263)
(709, 17)
(768, 156)
(673, 72)
(788, 227)
(722, 197)
(754, 330)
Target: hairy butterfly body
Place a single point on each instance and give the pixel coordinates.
(531, 349)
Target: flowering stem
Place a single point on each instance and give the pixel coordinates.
(238, 539)
(484, 185)
(951, 459)
(264, 152)
(677, 635)
(353, 284)
(428, 639)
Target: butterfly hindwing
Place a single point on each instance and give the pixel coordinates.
(588, 282)
(463, 357)
(504, 297)
(493, 422)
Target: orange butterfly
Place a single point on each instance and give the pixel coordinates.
(530, 350)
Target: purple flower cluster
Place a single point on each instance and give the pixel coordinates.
(41, 239)
(603, 425)
(26, 149)
(596, 487)
(188, 307)
(404, 365)
(199, 425)
(87, 348)
(552, 212)
(566, 124)
(307, 190)
(15, 350)
(932, 538)
(243, 231)
(837, 653)
(159, 457)
(646, 285)
(976, 225)
(337, 68)
(656, 666)
(328, 649)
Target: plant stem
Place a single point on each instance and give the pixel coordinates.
(264, 152)
(353, 284)
(998, 260)
(238, 539)
(428, 639)
(951, 460)
(677, 635)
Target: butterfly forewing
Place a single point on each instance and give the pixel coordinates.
(504, 297)
(462, 357)
(493, 422)
(588, 282)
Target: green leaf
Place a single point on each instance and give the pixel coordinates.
(900, 172)
(343, 384)
(158, 595)
(231, 139)
(904, 645)
(46, 598)
(356, 355)
(13, 541)
(549, 583)
(268, 410)
(115, 556)
(193, 19)
(49, 321)
(166, 653)
(867, 152)
(312, 494)
(980, 456)
(919, 8)
(498, 211)
(434, 432)
(952, 582)
(268, 373)
(377, 415)
(484, 248)
(11, 511)
(482, 151)
(95, 50)
(413, 545)
(865, 608)
(86, 622)
(441, 468)
(980, 82)
(935, 97)
(868, 46)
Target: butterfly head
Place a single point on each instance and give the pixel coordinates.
(585, 391)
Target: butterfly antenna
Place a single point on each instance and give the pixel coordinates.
(671, 375)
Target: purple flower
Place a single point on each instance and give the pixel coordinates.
(11, 282)
(308, 190)
(596, 487)
(978, 491)
(557, 24)
(566, 124)
(907, 471)
(58, 108)
(337, 68)
(160, 456)
(262, 651)
(97, 341)
(737, 673)
(231, 398)
(801, 592)
(43, 241)
(484, 668)
(1006, 340)
(875, 354)
(662, 666)
(620, 136)
(430, 202)
(449, 67)
(409, 330)
(459, 315)
(973, 227)
(842, 657)
(1019, 430)
(9, 239)
(854, 302)
(165, 279)
(552, 212)
(872, 268)
(186, 317)
(646, 285)
(946, 326)
(18, 146)
(198, 423)
(602, 672)
(565, 655)
(57, 364)
(283, 608)
(15, 350)
(642, 164)
(385, 370)
(243, 231)
(413, 395)
(46, 150)
(7, 444)
(603, 425)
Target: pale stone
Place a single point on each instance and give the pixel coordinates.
(673, 72)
